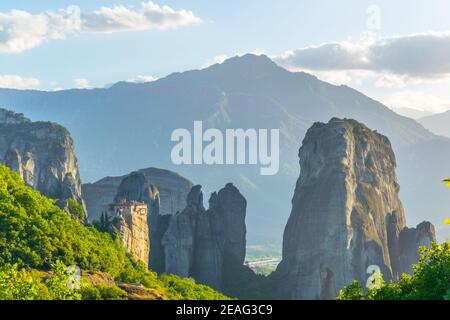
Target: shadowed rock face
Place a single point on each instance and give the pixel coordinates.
(136, 187)
(346, 214)
(410, 240)
(179, 239)
(42, 153)
(199, 242)
(173, 189)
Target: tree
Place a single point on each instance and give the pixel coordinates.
(37, 237)
(430, 281)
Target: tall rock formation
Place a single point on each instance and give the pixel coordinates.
(130, 222)
(201, 243)
(179, 239)
(164, 192)
(43, 155)
(136, 187)
(173, 190)
(410, 240)
(346, 214)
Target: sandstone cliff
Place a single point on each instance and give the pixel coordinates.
(346, 214)
(136, 187)
(43, 155)
(200, 243)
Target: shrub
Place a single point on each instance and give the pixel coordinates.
(430, 281)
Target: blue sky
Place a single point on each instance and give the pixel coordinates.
(94, 56)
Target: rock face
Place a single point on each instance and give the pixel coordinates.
(130, 221)
(136, 187)
(173, 189)
(179, 239)
(346, 214)
(43, 155)
(410, 240)
(199, 243)
(162, 190)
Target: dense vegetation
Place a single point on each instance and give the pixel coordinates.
(37, 235)
(430, 281)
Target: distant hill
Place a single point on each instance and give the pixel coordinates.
(412, 113)
(437, 123)
(128, 126)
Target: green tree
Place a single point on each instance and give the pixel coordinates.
(18, 284)
(430, 281)
(76, 210)
(37, 235)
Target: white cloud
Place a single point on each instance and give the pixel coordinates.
(417, 100)
(390, 81)
(17, 82)
(82, 84)
(149, 16)
(143, 79)
(215, 60)
(21, 30)
(417, 57)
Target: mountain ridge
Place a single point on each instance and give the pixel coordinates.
(437, 123)
(108, 125)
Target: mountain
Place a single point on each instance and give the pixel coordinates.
(346, 216)
(412, 113)
(42, 153)
(129, 126)
(202, 243)
(437, 123)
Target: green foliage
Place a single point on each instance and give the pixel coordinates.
(430, 281)
(351, 292)
(18, 284)
(104, 224)
(36, 234)
(57, 284)
(187, 289)
(102, 292)
(22, 284)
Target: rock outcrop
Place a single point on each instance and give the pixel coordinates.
(136, 187)
(346, 214)
(42, 153)
(199, 243)
(130, 222)
(162, 190)
(179, 239)
(410, 240)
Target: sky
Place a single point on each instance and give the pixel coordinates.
(397, 52)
